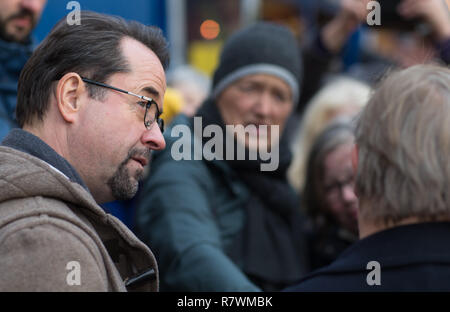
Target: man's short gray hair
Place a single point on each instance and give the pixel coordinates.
(403, 138)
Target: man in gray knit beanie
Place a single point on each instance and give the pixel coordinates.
(224, 223)
(262, 48)
(257, 81)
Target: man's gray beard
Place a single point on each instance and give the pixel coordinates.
(121, 184)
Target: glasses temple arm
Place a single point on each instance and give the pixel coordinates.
(114, 88)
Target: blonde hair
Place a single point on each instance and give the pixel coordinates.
(403, 138)
(342, 96)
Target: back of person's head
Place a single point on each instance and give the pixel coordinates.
(193, 86)
(315, 199)
(91, 49)
(403, 139)
(188, 74)
(340, 97)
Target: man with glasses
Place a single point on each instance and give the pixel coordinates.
(89, 106)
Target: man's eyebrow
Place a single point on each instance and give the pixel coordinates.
(150, 90)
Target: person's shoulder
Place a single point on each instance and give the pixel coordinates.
(15, 163)
(29, 212)
(322, 282)
(346, 273)
(38, 253)
(40, 239)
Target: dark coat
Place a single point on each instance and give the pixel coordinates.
(175, 215)
(411, 257)
(196, 216)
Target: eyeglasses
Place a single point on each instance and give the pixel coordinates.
(334, 189)
(152, 112)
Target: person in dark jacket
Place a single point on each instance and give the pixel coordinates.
(219, 220)
(17, 19)
(403, 175)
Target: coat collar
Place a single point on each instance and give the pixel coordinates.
(28, 143)
(398, 246)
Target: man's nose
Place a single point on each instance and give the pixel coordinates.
(153, 138)
(263, 105)
(348, 193)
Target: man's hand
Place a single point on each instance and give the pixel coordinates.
(336, 32)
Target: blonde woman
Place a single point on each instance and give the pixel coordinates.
(343, 96)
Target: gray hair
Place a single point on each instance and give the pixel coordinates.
(188, 74)
(403, 138)
(343, 94)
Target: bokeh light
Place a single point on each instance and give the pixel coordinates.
(209, 29)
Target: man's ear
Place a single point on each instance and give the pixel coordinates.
(355, 159)
(68, 96)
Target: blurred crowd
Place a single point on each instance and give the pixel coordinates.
(219, 222)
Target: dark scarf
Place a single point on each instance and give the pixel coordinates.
(13, 57)
(271, 248)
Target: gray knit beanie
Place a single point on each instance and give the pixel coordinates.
(262, 48)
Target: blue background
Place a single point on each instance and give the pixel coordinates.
(149, 12)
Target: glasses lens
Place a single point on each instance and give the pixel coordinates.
(152, 115)
(161, 124)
